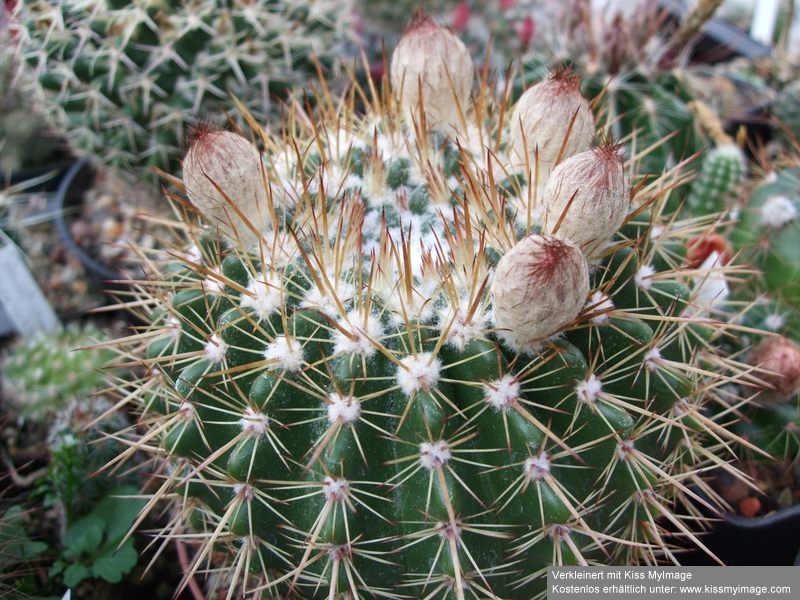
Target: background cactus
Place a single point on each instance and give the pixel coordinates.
(381, 378)
(126, 78)
(767, 234)
(627, 58)
(785, 110)
(23, 139)
(719, 184)
(43, 374)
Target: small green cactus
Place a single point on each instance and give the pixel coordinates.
(126, 78)
(43, 374)
(383, 366)
(719, 184)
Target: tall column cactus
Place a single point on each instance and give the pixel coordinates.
(125, 78)
(382, 376)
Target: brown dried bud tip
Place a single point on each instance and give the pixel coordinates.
(200, 134)
(779, 358)
(421, 20)
(567, 80)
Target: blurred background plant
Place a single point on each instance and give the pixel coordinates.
(42, 376)
(125, 79)
(25, 140)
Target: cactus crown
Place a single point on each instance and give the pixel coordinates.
(370, 373)
(127, 77)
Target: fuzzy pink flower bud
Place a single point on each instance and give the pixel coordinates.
(780, 360)
(539, 287)
(553, 118)
(228, 161)
(587, 199)
(461, 16)
(430, 59)
(525, 31)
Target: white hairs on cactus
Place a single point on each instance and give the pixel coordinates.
(539, 288)
(586, 199)
(224, 178)
(551, 121)
(430, 59)
(777, 212)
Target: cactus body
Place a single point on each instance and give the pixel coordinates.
(767, 233)
(785, 109)
(357, 403)
(125, 79)
(718, 186)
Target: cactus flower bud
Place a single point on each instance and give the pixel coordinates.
(553, 119)
(586, 198)
(525, 31)
(779, 358)
(226, 160)
(461, 16)
(431, 58)
(539, 287)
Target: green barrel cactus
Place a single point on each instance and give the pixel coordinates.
(126, 78)
(43, 374)
(767, 234)
(385, 361)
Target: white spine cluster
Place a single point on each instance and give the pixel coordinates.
(600, 304)
(501, 393)
(343, 409)
(336, 490)
(359, 336)
(434, 454)
(777, 212)
(254, 423)
(215, 349)
(420, 372)
(263, 296)
(536, 467)
(588, 391)
(285, 354)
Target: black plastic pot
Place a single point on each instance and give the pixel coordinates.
(739, 541)
(69, 196)
(57, 169)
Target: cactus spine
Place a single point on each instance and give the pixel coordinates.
(402, 387)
